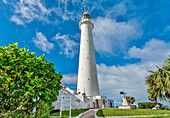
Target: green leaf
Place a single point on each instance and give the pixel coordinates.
(30, 88)
(8, 79)
(29, 74)
(31, 82)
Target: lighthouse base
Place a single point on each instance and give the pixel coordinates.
(80, 101)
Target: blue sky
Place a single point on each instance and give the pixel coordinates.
(130, 38)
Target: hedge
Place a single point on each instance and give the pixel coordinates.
(146, 105)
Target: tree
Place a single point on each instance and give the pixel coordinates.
(159, 83)
(26, 82)
(130, 99)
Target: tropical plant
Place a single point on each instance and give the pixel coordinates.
(159, 83)
(28, 84)
(130, 99)
(165, 107)
(146, 105)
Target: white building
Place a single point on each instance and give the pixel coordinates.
(88, 94)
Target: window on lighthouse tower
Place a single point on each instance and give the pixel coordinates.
(86, 16)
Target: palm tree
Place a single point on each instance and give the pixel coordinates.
(166, 67)
(159, 83)
(130, 99)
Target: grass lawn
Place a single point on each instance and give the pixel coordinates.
(65, 114)
(130, 112)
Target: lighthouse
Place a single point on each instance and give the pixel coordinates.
(87, 83)
(88, 94)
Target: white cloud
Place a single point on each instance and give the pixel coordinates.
(67, 46)
(117, 10)
(154, 50)
(131, 77)
(25, 11)
(17, 20)
(42, 43)
(65, 12)
(69, 79)
(111, 36)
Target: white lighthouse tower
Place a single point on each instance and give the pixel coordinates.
(87, 95)
(87, 83)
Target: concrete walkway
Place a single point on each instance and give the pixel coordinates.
(90, 114)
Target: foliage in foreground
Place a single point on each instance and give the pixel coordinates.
(26, 82)
(159, 83)
(130, 99)
(65, 114)
(146, 105)
(130, 112)
(150, 105)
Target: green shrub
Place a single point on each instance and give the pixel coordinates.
(165, 107)
(146, 105)
(100, 112)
